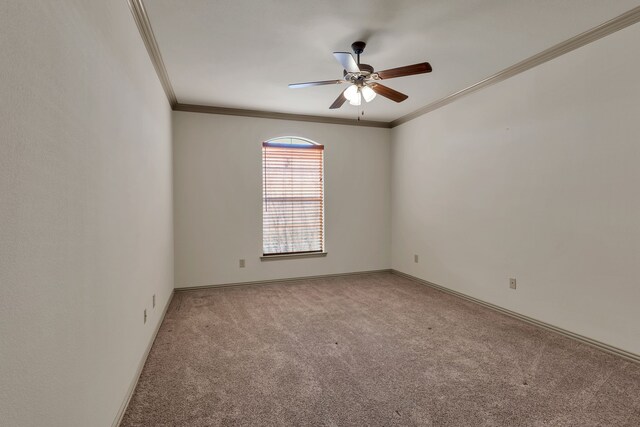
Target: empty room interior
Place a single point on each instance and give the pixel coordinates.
(319, 213)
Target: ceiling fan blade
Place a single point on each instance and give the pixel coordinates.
(339, 101)
(321, 83)
(346, 60)
(408, 70)
(387, 92)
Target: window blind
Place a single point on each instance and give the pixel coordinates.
(293, 198)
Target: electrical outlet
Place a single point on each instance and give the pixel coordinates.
(415, 258)
(154, 300)
(241, 263)
(145, 315)
(512, 283)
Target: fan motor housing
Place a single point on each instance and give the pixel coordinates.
(366, 70)
(366, 67)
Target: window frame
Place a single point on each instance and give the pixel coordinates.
(301, 143)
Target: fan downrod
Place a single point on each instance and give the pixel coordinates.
(358, 48)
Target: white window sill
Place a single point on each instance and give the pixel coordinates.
(292, 256)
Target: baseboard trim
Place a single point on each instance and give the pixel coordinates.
(272, 281)
(143, 360)
(581, 338)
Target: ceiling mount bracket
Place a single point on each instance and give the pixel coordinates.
(358, 48)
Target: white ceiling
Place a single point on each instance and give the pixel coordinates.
(242, 53)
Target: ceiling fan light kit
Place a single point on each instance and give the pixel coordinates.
(363, 79)
(355, 94)
(367, 93)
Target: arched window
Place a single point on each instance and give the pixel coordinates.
(292, 196)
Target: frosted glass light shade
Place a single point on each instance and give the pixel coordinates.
(351, 92)
(367, 93)
(356, 100)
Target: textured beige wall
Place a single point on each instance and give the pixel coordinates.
(218, 198)
(85, 209)
(535, 178)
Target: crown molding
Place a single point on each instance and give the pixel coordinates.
(618, 23)
(280, 116)
(141, 18)
(144, 26)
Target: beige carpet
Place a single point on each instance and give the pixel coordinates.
(375, 350)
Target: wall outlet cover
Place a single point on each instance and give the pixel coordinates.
(512, 283)
(415, 258)
(241, 263)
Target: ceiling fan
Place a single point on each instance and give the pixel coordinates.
(363, 80)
